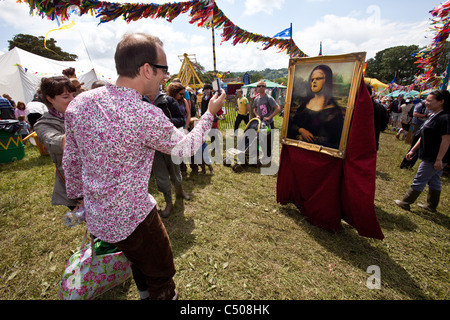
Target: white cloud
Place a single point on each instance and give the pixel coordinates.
(14, 14)
(351, 34)
(196, 39)
(239, 58)
(244, 57)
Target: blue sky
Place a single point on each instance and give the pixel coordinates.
(343, 26)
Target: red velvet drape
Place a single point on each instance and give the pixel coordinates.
(328, 189)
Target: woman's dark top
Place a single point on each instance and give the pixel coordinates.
(431, 134)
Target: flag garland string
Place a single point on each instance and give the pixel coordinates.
(203, 13)
(428, 58)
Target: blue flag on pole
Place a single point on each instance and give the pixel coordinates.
(283, 34)
(392, 83)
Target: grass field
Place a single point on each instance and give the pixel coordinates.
(233, 241)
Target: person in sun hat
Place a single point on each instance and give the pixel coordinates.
(78, 86)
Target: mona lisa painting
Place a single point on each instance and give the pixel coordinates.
(320, 99)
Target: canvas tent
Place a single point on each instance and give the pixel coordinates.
(375, 83)
(269, 85)
(273, 89)
(407, 94)
(21, 72)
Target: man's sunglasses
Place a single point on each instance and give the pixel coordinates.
(260, 86)
(158, 66)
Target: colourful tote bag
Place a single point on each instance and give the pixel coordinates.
(89, 273)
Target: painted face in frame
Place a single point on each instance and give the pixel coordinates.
(317, 81)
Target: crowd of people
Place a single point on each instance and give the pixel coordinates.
(405, 114)
(108, 141)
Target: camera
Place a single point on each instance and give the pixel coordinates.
(217, 84)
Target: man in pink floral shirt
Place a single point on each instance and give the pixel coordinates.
(111, 138)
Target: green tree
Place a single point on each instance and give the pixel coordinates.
(282, 80)
(36, 45)
(256, 77)
(373, 69)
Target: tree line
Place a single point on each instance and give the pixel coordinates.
(399, 64)
(36, 45)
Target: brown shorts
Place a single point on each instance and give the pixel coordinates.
(150, 252)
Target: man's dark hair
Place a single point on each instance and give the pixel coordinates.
(133, 51)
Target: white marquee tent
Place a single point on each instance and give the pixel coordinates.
(21, 72)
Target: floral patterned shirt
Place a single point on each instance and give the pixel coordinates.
(111, 138)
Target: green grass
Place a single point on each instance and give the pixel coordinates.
(233, 241)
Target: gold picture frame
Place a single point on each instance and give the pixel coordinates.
(320, 99)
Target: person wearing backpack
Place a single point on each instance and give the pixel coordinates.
(405, 118)
(380, 115)
(420, 114)
(395, 110)
(193, 99)
(165, 171)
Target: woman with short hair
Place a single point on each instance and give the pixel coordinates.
(56, 93)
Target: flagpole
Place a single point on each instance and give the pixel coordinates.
(290, 34)
(87, 51)
(214, 50)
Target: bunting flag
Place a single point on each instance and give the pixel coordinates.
(203, 13)
(62, 28)
(428, 58)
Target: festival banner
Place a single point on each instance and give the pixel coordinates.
(62, 28)
(428, 58)
(203, 13)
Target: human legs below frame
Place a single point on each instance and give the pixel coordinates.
(160, 171)
(202, 155)
(166, 174)
(239, 119)
(149, 250)
(265, 140)
(205, 160)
